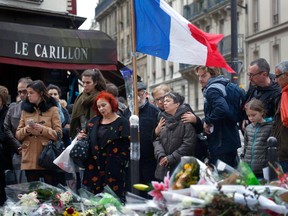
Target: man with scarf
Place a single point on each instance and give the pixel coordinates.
(147, 122)
(93, 82)
(280, 129)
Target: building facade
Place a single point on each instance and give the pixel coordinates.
(261, 32)
(267, 31)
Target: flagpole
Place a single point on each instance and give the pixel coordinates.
(134, 60)
(134, 119)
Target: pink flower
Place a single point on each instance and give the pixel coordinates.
(158, 187)
(167, 180)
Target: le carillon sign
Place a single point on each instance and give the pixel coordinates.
(50, 52)
(35, 43)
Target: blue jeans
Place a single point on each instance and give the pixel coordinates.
(284, 165)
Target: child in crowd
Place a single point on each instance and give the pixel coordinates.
(255, 137)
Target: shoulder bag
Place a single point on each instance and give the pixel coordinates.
(79, 153)
(50, 152)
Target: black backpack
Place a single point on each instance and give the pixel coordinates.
(234, 96)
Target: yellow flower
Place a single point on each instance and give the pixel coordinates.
(71, 212)
(187, 166)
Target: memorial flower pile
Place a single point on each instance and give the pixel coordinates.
(193, 188)
(204, 189)
(38, 198)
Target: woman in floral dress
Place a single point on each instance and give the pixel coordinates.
(109, 140)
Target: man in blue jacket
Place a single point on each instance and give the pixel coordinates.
(222, 132)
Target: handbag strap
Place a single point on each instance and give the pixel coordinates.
(58, 135)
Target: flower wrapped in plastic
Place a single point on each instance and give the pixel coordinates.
(243, 175)
(158, 187)
(105, 203)
(186, 173)
(38, 198)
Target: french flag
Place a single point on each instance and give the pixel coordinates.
(162, 32)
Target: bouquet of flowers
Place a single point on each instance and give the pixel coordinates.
(196, 188)
(185, 174)
(230, 176)
(38, 198)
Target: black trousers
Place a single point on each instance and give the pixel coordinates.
(50, 177)
(2, 187)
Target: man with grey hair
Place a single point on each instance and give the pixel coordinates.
(262, 87)
(11, 123)
(280, 129)
(147, 123)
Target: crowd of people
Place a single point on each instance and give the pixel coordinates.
(169, 128)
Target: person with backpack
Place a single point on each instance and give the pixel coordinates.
(220, 115)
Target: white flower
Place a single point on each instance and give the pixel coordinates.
(111, 210)
(186, 202)
(65, 198)
(230, 195)
(88, 212)
(28, 199)
(208, 198)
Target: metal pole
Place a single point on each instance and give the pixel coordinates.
(272, 157)
(134, 130)
(134, 152)
(234, 41)
(134, 60)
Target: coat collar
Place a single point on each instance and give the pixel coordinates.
(43, 106)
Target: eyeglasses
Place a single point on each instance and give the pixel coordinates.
(278, 75)
(160, 99)
(141, 94)
(22, 91)
(251, 75)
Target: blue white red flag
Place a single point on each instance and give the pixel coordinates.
(162, 32)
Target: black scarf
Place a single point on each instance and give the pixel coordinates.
(173, 120)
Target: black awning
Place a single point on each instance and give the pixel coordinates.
(38, 46)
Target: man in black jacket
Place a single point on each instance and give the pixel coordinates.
(147, 123)
(11, 123)
(280, 128)
(262, 87)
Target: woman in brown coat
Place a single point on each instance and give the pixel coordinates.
(39, 123)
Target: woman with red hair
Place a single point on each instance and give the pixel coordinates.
(108, 134)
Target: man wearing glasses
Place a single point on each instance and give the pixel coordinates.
(280, 129)
(147, 123)
(262, 87)
(11, 123)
